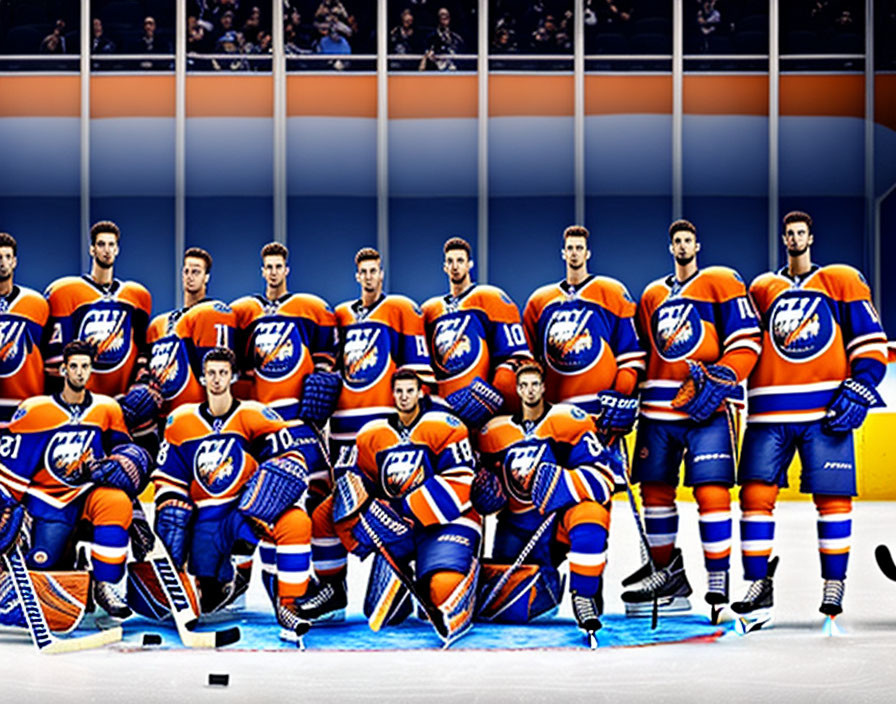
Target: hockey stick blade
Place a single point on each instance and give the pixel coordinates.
(41, 636)
(885, 561)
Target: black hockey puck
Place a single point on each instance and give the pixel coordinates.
(218, 680)
(151, 639)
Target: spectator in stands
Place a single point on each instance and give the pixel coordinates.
(441, 45)
(198, 40)
(100, 43)
(544, 39)
(225, 25)
(330, 11)
(232, 45)
(261, 44)
(54, 43)
(403, 37)
(504, 41)
(252, 23)
(709, 19)
(333, 42)
(150, 42)
(615, 13)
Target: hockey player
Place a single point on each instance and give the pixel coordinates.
(109, 313)
(582, 331)
(213, 499)
(475, 337)
(23, 314)
(703, 339)
(405, 495)
(287, 344)
(68, 457)
(545, 462)
(823, 355)
(180, 338)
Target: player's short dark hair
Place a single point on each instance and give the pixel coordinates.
(104, 227)
(798, 216)
(7, 240)
(403, 373)
(199, 253)
(76, 347)
(576, 231)
(219, 354)
(680, 225)
(458, 243)
(366, 254)
(529, 366)
(275, 249)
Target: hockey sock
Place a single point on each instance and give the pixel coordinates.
(292, 536)
(110, 511)
(834, 534)
(757, 527)
(267, 553)
(585, 527)
(328, 554)
(660, 521)
(714, 505)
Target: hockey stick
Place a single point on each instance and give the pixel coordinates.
(41, 636)
(885, 561)
(185, 617)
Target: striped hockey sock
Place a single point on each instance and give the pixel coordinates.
(715, 534)
(834, 535)
(757, 533)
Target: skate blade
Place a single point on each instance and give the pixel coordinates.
(668, 605)
(290, 636)
(337, 616)
(761, 618)
(591, 639)
(721, 613)
(830, 628)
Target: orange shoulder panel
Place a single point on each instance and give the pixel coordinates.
(610, 294)
(433, 308)
(374, 436)
(245, 310)
(66, 294)
(494, 302)
(344, 314)
(566, 423)
(184, 424)
(498, 434)
(402, 315)
(32, 306)
(717, 284)
(137, 295)
(253, 419)
(157, 328)
(106, 412)
(306, 305)
(41, 413)
(437, 430)
(844, 283)
(764, 288)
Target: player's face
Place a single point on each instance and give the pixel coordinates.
(457, 265)
(530, 388)
(797, 238)
(575, 252)
(77, 371)
(274, 270)
(370, 275)
(217, 375)
(684, 247)
(194, 276)
(406, 393)
(105, 250)
(8, 263)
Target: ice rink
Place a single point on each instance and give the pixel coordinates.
(793, 662)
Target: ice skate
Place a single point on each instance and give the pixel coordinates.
(587, 610)
(668, 585)
(293, 626)
(325, 600)
(832, 604)
(107, 596)
(716, 594)
(755, 609)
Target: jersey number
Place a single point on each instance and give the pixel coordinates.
(514, 335)
(9, 446)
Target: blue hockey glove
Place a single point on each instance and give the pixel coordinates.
(618, 413)
(11, 516)
(126, 468)
(320, 392)
(276, 485)
(477, 403)
(850, 405)
(705, 388)
(487, 494)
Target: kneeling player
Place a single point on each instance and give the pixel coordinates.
(213, 500)
(69, 460)
(546, 462)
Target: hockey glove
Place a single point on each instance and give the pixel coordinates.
(850, 405)
(143, 540)
(172, 519)
(486, 493)
(549, 489)
(477, 403)
(379, 522)
(141, 404)
(618, 413)
(126, 468)
(705, 388)
(11, 516)
(277, 484)
(320, 392)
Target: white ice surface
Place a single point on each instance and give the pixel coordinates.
(793, 662)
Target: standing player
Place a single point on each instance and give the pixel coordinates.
(547, 461)
(823, 355)
(472, 332)
(23, 314)
(180, 338)
(703, 339)
(582, 330)
(68, 457)
(110, 314)
(284, 338)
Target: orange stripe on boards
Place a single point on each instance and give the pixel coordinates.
(823, 96)
(725, 95)
(230, 96)
(40, 96)
(337, 95)
(885, 100)
(131, 96)
(628, 95)
(535, 96)
(427, 96)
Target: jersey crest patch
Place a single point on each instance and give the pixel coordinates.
(169, 365)
(801, 325)
(402, 471)
(365, 355)
(107, 326)
(66, 453)
(457, 343)
(217, 464)
(677, 330)
(520, 464)
(15, 344)
(277, 349)
(572, 340)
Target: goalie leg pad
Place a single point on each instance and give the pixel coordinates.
(320, 392)
(277, 484)
(457, 607)
(350, 495)
(531, 592)
(146, 596)
(172, 519)
(63, 598)
(450, 547)
(11, 518)
(477, 403)
(387, 601)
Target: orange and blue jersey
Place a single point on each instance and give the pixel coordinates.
(280, 342)
(707, 318)
(23, 314)
(471, 334)
(179, 340)
(112, 317)
(206, 460)
(818, 329)
(48, 444)
(585, 337)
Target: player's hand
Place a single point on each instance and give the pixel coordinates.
(850, 405)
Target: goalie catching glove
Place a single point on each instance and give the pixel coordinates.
(704, 390)
(477, 403)
(850, 405)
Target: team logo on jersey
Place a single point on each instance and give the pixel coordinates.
(801, 326)
(365, 354)
(67, 453)
(457, 343)
(402, 471)
(520, 464)
(217, 464)
(15, 345)
(107, 326)
(677, 330)
(277, 348)
(572, 339)
(168, 363)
